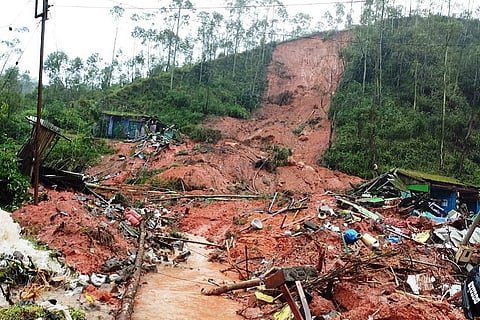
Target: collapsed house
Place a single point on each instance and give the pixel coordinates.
(426, 193)
(452, 205)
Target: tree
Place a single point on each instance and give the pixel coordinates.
(55, 68)
(74, 74)
(92, 76)
(238, 9)
(177, 15)
(117, 13)
(208, 37)
(150, 38)
(300, 24)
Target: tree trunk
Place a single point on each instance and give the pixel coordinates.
(126, 309)
(444, 107)
(175, 48)
(230, 287)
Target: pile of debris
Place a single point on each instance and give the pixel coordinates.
(355, 256)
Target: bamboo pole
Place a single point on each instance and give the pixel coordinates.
(230, 287)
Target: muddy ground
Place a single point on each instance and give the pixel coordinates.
(356, 281)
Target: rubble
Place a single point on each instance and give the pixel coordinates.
(306, 212)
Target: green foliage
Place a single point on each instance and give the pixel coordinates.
(78, 154)
(398, 122)
(27, 312)
(218, 92)
(298, 130)
(200, 134)
(13, 185)
(168, 184)
(278, 158)
(143, 175)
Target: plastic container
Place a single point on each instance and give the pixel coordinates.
(256, 223)
(370, 241)
(133, 217)
(351, 236)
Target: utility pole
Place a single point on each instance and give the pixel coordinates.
(42, 15)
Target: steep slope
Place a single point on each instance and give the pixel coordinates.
(302, 77)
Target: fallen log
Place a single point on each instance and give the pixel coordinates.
(230, 287)
(205, 196)
(128, 298)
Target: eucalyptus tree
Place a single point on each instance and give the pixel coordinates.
(92, 71)
(238, 10)
(276, 16)
(208, 36)
(117, 13)
(10, 47)
(268, 14)
(74, 71)
(147, 33)
(334, 22)
(176, 15)
(301, 24)
(469, 69)
(373, 17)
(10, 94)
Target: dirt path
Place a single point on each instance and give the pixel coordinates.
(174, 292)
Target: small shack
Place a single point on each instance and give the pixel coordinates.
(127, 125)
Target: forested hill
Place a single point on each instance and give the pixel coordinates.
(409, 97)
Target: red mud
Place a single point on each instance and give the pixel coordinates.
(310, 69)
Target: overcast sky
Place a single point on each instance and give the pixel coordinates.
(80, 28)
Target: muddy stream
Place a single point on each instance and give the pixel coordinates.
(174, 291)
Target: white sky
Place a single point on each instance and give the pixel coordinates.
(82, 27)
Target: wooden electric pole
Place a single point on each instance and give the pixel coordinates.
(37, 155)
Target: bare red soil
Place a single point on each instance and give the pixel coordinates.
(308, 70)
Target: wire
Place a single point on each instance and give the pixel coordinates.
(27, 44)
(131, 7)
(9, 25)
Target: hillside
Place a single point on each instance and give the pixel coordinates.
(302, 76)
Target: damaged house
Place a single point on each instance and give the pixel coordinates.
(420, 191)
(128, 125)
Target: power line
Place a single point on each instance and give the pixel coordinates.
(17, 16)
(131, 7)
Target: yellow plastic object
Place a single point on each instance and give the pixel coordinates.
(89, 298)
(264, 297)
(422, 237)
(284, 314)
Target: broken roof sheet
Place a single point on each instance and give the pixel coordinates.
(433, 178)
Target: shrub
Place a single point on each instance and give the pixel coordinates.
(13, 185)
(199, 134)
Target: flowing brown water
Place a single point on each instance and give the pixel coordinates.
(174, 292)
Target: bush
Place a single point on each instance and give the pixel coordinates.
(13, 185)
(78, 154)
(199, 134)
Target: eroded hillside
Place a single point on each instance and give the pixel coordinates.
(302, 77)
